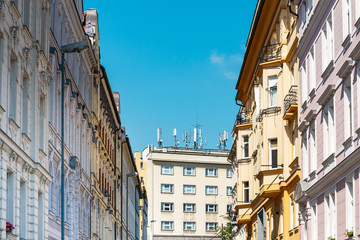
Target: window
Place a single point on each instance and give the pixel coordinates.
(313, 149)
(245, 146)
(211, 226)
(167, 188)
(357, 10)
(189, 171)
(312, 66)
(272, 91)
(13, 88)
(23, 209)
(189, 226)
(228, 173)
(142, 165)
(273, 153)
(228, 208)
(350, 206)
(40, 215)
(167, 170)
(310, 6)
(314, 222)
(167, 225)
(327, 42)
(167, 207)
(25, 103)
(189, 207)
(10, 196)
(304, 82)
(292, 215)
(303, 13)
(346, 16)
(211, 172)
(211, 208)
(211, 190)
(245, 192)
(329, 131)
(330, 215)
(189, 189)
(228, 191)
(347, 108)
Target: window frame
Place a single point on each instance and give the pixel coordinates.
(274, 86)
(228, 173)
(192, 224)
(271, 163)
(193, 208)
(227, 191)
(165, 205)
(193, 173)
(163, 169)
(211, 208)
(208, 226)
(187, 185)
(207, 171)
(163, 185)
(246, 192)
(171, 225)
(209, 187)
(245, 145)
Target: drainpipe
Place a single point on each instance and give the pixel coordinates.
(121, 178)
(116, 138)
(291, 11)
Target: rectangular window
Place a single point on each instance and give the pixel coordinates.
(346, 16)
(211, 208)
(10, 196)
(350, 206)
(189, 207)
(167, 188)
(167, 207)
(304, 82)
(347, 108)
(229, 191)
(189, 189)
(211, 172)
(13, 88)
(228, 173)
(189, 226)
(313, 148)
(327, 42)
(167, 225)
(25, 104)
(245, 146)
(312, 65)
(228, 208)
(272, 91)
(189, 171)
(40, 215)
(167, 170)
(273, 153)
(211, 190)
(42, 125)
(330, 215)
(314, 227)
(142, 165)
(211, 226)
(329, 131)
(310, 6)
(303, 13)
(23, 210)
(245, 192)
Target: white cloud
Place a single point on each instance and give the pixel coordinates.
(229, 65)
(216, 59)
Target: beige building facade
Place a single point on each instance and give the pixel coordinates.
(189, 192)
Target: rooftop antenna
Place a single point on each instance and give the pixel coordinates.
(159, 140)
(186, 139)
(197, 136)
(224, 139)
(176, 142)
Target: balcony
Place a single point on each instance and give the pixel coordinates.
(270, 53)
(267, 111)
(243, 120)
(290, 103)
(269, 177)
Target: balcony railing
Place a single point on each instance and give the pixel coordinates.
(243, 118)
(267, 111)
(290, 102)
(270, 52)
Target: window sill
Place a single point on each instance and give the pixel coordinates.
(328, 70)
(357, 23)
(346, 41)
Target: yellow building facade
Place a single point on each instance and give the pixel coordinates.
(266, 144)
(142, 171)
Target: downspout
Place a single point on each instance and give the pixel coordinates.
(121, 179)
(291, 11)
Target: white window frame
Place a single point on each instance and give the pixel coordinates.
(167, 225)
(165, 186)
(304, 82)
(167, 207)
(348, 113)
(189, 226)
(211, 226)
(329, 131)
(313, 147)
(312, 73)
(346, 17)
(303, 13)
(314, 221)
(211, 190)
(327, 42)
(246, 192)
(189, 171)
(228, 191)
(189, 207)
(271, 85)
(305, 154)
(189, 187)
(350, 205)
(211, 172)
(330, 214)
(167, 170)
(272, 166)
(211, 208)
(245, 145)
(228, 173)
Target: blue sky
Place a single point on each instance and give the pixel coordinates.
(175, 63)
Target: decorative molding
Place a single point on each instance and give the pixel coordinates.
(26, 168)
(327, 93)
(13, 157)
(303, 125)
(345, 69)
(311, 115)
(346, 41)
(355, 53)
(328, 70)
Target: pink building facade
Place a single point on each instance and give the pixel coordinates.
(329, 69)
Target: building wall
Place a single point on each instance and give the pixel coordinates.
(179, 159)
(334, 75)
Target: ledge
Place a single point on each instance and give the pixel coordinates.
(355, 53)
(311, 115)
(303, 125)
(327, 93)
(345, 69)
(243, 126)
(346, 41)
(328, 69)
(357, 25)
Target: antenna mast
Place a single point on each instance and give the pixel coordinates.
(159, 140)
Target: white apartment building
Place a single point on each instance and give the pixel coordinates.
(24, 78)
(189, 192)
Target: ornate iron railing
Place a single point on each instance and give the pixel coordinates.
(243, 117)
(267, 111)
(290, 98)
(270, 52)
